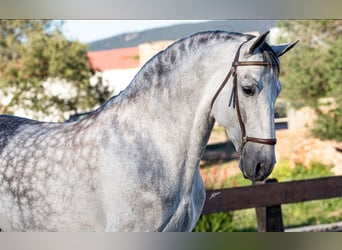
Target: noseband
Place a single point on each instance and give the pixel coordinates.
(234, 99)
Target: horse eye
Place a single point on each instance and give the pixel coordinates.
(248, 90)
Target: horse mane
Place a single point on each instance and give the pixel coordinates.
(161, 64)
(187, 45)
(206, 38)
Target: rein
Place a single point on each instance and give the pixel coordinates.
(234, 99)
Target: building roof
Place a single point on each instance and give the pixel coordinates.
(122, 58)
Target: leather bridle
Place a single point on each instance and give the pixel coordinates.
(234, 99)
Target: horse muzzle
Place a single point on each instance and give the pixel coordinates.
(257, 161)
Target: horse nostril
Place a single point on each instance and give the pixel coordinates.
(258, 168)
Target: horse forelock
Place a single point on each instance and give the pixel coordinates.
(271, 58)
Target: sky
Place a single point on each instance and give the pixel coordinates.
(86, 31)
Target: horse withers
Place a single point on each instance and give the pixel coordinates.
(133, 164)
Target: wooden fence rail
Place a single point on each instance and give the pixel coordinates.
(268, 197)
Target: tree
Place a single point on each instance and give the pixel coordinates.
(41, 71)
(314, 71)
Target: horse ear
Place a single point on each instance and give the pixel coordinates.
(260, 40)
(281, 49)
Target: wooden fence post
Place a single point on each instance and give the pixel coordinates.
(270, 219)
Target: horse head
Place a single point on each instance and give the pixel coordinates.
(254, 87)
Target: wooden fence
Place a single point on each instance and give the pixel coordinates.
(267, 198)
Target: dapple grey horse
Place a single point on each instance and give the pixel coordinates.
(133, 164)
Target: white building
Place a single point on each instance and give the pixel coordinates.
(117, 67)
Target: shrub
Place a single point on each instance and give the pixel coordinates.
(329, 125)
(217, 222)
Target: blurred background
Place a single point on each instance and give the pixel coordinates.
(58, 70)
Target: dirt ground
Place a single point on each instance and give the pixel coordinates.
(287, 140)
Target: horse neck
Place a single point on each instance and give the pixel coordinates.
(168, 104)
